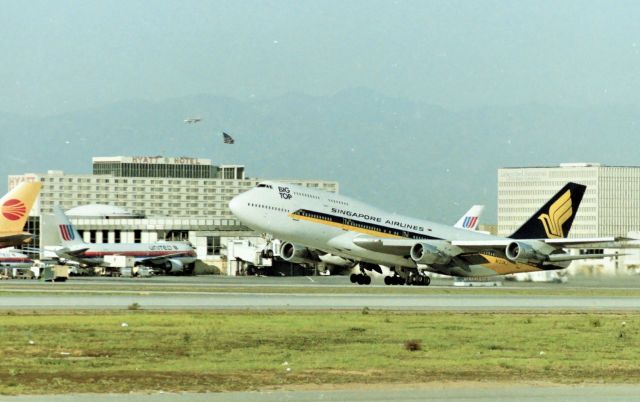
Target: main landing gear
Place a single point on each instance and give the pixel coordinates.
(394, 280)
(415, 280)
(360, 279)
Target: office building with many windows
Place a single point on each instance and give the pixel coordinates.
(157, 198)
(610, 207)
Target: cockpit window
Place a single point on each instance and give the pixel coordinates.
(264, 185)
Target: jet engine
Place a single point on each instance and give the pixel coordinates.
(429, 254)
(173, 266)
(522, 252)
(296, 253)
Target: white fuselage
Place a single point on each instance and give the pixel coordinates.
(14, 259)
(95, 253)
(330, 222)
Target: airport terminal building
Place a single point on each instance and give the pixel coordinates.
(149, 199)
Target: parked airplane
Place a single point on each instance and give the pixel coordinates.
(191, 120)
(13, 259)
(313, 222)
(15, 207)
(172, 257)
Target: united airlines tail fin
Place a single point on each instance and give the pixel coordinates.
(471, 218)
(69, 236)
(16, 205)
(554, 219)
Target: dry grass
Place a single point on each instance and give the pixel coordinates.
(221, 351)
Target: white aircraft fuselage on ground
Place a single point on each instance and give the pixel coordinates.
(13, 259)
(314, 222)
(172, 257)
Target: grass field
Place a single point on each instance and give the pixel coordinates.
(218, 351)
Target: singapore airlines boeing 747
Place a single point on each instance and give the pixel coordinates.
(312, 223)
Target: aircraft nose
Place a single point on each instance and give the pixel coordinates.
(234, 204)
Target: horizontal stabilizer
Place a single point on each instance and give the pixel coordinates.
(74, 252)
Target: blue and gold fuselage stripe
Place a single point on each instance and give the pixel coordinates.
(356, 225)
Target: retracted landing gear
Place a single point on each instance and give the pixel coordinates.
(360, 279)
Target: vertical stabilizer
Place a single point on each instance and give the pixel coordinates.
(554, 219)
(15, 207)
(69, 236)
(471, 219)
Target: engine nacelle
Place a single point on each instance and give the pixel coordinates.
(173, 266)
(429, 254)
(296, 253)
(522, 252)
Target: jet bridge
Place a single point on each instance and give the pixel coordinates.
(261, 258)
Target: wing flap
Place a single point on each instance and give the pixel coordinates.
(389, 246)
(599, 242)
(587, 242)
(553, 258)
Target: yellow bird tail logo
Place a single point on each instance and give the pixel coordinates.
(559, 212)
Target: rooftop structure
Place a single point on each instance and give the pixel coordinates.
(160, 166)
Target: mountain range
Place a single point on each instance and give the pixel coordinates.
(406, 156)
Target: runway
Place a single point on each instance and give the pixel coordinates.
(480, 392)
(301, 301)
(200, 293)
(311, 293)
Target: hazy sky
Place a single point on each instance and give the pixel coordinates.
(66, 55)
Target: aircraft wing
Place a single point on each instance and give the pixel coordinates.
(74, 253)
(388, 246)
(595, 242)
(14, 238)
(402, 247)
(556, 243)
